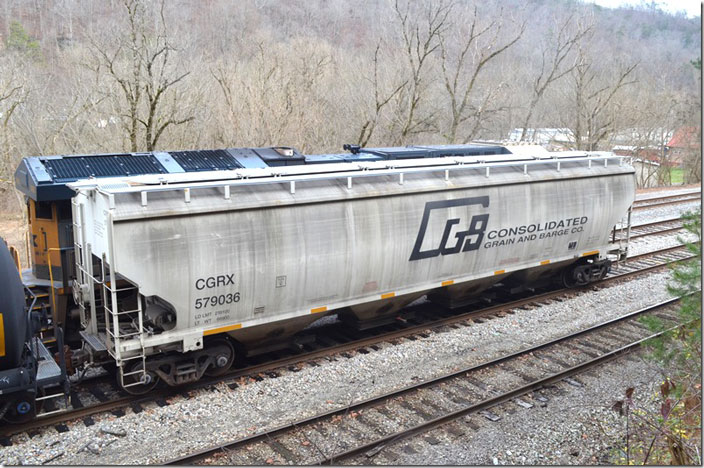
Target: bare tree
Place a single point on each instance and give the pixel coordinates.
(693, 109)
(273, 98)
(420, 40)
(381, 99)
(593, 114)
(555, 61)
(13, 94)
(462, 69)
(426, 75)
(141, 64)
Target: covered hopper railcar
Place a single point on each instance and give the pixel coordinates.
(261, 253)
(191, 258)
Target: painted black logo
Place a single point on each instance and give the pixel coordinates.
(464, 241)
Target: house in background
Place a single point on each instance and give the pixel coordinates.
(645, 153)
(647, 173)
(684, 144)
(554, 139)
(645, 160)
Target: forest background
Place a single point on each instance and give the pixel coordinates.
(80, 76)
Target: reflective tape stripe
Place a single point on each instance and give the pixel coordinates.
(2, 337)
(593, 252)
(228, 328)
(448, 282)
(388, 295)
(498, 272)
(318, 309)
(545, 262)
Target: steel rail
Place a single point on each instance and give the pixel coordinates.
(658, 252)
(669, 197)
(656, 223)
(655, 233)
(664, 203)
(635, 228)
(192, 458)
(504, 397)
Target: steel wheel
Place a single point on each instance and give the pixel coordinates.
(144, 382)
(22, 409)
(223, 357)
(568, 279)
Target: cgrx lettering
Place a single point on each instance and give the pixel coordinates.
(215, 281)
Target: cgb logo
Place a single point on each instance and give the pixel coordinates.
(468, 230)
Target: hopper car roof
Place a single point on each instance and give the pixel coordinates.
(152, 196)
(591, 164)
(45, 178)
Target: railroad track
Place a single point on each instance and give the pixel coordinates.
(102, 396)
(368, 428)
(648, 203)
(654, 228)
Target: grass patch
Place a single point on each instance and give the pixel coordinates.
(676, 176)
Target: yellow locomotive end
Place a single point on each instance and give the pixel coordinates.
(44, 231)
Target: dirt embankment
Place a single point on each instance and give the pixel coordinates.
(13, 225)
(13, 230)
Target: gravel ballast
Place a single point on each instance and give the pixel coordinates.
(575, 427)
(647, 244)
(662, 213)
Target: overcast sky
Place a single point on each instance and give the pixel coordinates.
(692, 7)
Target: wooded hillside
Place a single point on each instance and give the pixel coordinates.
(80, 76)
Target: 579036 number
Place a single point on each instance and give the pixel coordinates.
(222, 299)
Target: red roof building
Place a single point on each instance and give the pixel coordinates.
(686, 138)
(684, 141)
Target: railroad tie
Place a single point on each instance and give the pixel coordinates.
(454, 429)
(413, 409)
(557, 361)
(282, 450)
(364, 419)
(75, 400)
(98, 393)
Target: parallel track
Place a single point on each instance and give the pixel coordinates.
(647, 203)
(362, 429)
(427, 317)
(655, 228)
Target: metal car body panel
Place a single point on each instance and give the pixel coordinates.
(294, 245)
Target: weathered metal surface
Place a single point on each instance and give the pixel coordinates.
(269, 253)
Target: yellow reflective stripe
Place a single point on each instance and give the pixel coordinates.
(593, 252)
(545, 262)
(448, 282)
(215, 331)
(318, 309)
(387, 295)
(498, 272)
(2, 337)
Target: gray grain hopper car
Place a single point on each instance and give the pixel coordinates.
(176, 273)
